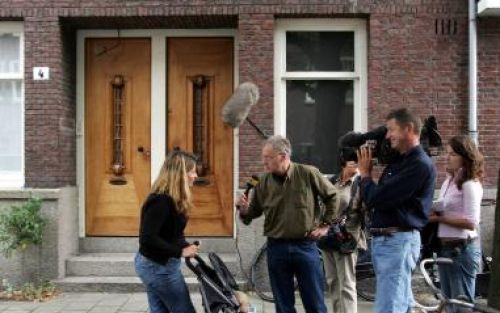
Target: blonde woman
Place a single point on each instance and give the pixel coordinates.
(161, 236)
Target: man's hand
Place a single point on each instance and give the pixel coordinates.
(365, 161)
(318, 232)
(242, 204)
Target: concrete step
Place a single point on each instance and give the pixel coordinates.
(122, 264)
(100, 284)
(131, 244)
(117, 284)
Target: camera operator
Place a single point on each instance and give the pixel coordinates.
(400, 205)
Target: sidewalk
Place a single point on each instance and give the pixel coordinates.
(126, 303)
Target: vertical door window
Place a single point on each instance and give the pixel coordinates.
(11, 105)
(320, 86)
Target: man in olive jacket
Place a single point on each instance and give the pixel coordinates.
(287, 196)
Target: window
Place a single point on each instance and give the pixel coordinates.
(11, 105)
(320, 86)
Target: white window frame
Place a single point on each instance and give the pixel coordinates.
(15, 179)
(359, 76)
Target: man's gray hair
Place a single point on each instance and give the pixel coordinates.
(280, 144)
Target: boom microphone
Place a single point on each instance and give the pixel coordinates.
(236, 109)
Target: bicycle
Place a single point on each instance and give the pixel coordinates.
(365, 279)
(443, 301)
(259, 277)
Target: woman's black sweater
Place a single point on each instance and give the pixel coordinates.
(161, 234)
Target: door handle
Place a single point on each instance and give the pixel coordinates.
(145, 152)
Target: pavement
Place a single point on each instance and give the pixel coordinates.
(128, 303)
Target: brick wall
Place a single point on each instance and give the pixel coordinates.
(489, 94)
(415, 60)
(45, 105)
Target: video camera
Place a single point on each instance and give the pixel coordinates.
(381, 147)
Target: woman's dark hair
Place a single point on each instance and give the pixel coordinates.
(473, 167)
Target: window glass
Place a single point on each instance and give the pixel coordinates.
(9, 53)
(319, 51)
(10, 125)
(11, 105)
(318, 112)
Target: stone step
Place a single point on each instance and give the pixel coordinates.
(100, 284)
(122, 264)
(116, 284)
(131, 244)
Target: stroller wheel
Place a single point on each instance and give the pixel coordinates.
(225, 309)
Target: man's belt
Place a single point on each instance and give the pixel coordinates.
(388, 231)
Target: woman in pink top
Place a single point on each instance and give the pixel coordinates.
(458, 212)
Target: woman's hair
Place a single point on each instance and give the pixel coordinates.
(473, 161)
(173, 181)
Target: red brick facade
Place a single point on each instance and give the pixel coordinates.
(417, 57)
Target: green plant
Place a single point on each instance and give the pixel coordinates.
(42, 291)
(21, 226)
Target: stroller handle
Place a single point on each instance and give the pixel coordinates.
(194, 266)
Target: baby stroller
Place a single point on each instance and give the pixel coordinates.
(217, 284)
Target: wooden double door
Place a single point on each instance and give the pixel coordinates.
(118, 130)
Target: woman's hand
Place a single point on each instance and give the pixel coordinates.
(434, 218)
(190, 251)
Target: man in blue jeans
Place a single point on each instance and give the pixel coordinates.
(400, 204)
(287, 195)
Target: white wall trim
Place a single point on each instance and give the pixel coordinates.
(359, 76)
(158, 96)
(488, 8)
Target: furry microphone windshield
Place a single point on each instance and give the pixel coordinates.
(236, 109)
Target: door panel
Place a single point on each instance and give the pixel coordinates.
(117, 134)
(200, 80)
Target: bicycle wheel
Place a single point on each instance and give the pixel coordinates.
(365, 281)
(423, 295)
(259, 275)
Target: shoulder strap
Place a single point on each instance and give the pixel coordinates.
(354, 190)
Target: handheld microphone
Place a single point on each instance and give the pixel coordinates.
(251, 183)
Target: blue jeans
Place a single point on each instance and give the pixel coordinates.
(167, 292)
(299, 258)
(394, 258)
(459, 278)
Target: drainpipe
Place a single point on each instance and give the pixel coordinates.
(473, 132)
